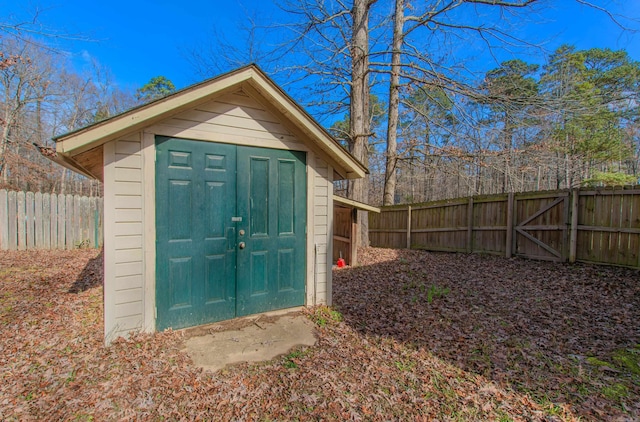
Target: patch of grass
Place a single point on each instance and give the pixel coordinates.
(85, 244)
(290, 360)
(629, 359)
(71, 377)
(615, 392)
(405, 365)
(597, 362)
(503, 417)
(626, 359)
(324, 315)
(548, 405)
(290, 364)
(435, 292)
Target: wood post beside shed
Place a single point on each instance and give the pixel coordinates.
(345, 228)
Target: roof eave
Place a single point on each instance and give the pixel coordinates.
(355, 204)
(147, 114)
(65, 161)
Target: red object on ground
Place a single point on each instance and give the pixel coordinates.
(341, 263)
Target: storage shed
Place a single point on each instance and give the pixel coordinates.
(218, 204)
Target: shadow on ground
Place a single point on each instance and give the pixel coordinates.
(565, 334)
(90, 276)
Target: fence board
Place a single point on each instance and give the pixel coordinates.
(91, 223)
(634, 221)
(606, 225)
(12, 230)
(69, 237)
(53, 199)
(62, 218)
(86, 225)
(22, 227)
(31, 220)
(46, 221)
(37, 220)
(624, 237)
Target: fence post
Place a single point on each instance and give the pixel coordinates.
(509, 242)
(573, 234)
(409, 227)
(470, 226)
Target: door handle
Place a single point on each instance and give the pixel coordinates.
(241, 245)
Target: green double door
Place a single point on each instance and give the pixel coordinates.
(230, 231)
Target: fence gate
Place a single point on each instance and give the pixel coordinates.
(541, 226)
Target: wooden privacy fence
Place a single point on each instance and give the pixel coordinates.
(48, 221)
(589, 225)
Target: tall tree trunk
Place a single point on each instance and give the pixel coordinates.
(4, 143)
(359, 107)
(63, 183)
(394, 105)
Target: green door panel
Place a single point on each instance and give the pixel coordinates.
(272, 201)
(210, 197)
(195, 269)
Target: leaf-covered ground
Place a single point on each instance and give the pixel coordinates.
(565, 335)
(416, 336)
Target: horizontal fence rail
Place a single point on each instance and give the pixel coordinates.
(31, 220)
(588, 225)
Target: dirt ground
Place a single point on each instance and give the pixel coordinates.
(412, 336)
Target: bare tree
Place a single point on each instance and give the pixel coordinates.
(24, 85)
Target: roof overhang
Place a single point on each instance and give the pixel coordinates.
(249, 78)
(350, 203)
(65, 161)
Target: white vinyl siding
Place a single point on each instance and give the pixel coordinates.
(321, 227)
(233, 118)
(124, 275)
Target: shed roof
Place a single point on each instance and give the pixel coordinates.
(250, 78)
(350, 203)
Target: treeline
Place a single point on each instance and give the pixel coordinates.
(41, 96)
(425, 124)
(571, 122)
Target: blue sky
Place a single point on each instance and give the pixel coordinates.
(138, 40)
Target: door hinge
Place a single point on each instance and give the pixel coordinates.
(155, 312)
